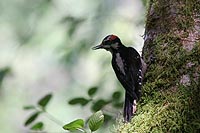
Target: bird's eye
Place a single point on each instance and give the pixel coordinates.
(106, 41)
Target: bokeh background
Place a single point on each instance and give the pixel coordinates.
(45, 47)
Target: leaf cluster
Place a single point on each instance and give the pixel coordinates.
(94, 123)
(99, 104)
(37, 111)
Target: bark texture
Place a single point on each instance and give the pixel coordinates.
(171, 92)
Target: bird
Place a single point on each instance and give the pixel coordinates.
(129, 68)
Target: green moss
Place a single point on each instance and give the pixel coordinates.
(169, 110)
(180, 13)
(166, 105)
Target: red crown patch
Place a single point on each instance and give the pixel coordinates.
(112, 37)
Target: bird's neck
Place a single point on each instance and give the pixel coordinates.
(118, 49)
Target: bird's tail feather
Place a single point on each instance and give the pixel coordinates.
(128, 107)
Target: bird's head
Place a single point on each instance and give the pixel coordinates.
(110, 42)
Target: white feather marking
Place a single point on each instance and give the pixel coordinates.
(134, 106)
(120, 63)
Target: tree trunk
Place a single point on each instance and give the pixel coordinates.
(171, 94)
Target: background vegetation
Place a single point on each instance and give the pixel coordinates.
(45, 47)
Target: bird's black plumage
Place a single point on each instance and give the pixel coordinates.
(127, 66)
(129, 79)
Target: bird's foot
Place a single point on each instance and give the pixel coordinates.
(134, 106)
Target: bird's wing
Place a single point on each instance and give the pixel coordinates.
(135, 71)
(125, 80)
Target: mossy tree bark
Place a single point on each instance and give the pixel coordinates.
(171, 90)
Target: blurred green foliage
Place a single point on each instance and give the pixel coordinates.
(68, 29)
(3, 73)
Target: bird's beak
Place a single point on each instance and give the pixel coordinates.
(97, 47)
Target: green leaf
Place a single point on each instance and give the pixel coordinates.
(37, 126)
(29, 107)
(80, 100)
(116, 95)
(96, 120)
(74, 125)
(99, 104)
(92, 91)
(45, 100)
(31, 118)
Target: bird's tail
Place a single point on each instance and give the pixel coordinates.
(129, 107)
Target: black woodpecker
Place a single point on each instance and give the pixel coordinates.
(129, 69)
